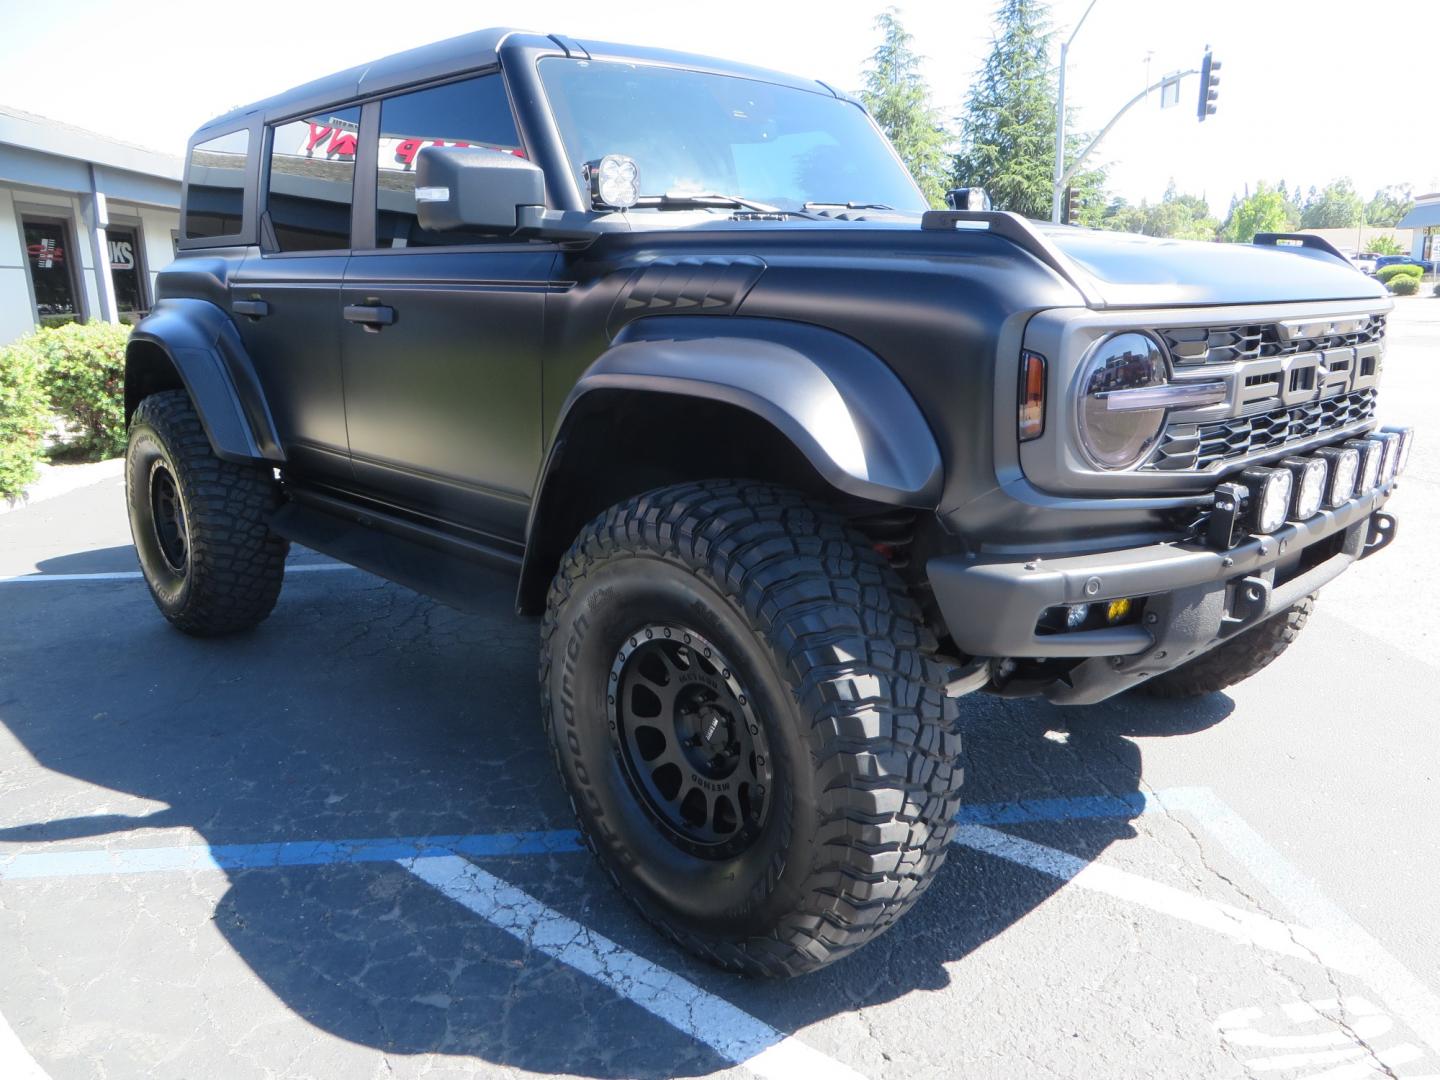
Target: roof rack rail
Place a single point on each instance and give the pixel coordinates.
(1023, 234)
(1310, 240)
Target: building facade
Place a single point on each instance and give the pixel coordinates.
(1424, 218)
(85, 224)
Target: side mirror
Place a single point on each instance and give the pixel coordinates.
(468, 187)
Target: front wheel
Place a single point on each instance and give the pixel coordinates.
(200, 524)
(744, 707)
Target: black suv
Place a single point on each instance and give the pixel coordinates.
(787, 462)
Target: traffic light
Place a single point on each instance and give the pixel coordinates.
(1209, 84)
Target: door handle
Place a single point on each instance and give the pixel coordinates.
(256, 309)
(371, 316)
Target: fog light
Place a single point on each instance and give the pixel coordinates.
(1344, 469)
(1370, 451)
(1269, 498)
(1075, 616)
(1117, 610)
(1308, 476)
(1390, 461)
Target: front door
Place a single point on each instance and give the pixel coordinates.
(441, 333)
(286, 298)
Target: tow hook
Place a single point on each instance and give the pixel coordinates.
(1380, 534)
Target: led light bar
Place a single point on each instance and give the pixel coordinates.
(1390, 461)
(1344, 471)
(1269, 491)
(1407, 439)
(1308, 475)
(1370, 451)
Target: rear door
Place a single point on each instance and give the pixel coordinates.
(286, 296)
(441, 332)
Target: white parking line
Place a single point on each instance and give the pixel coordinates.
(15, 1061)
(731, 1032)
(136, 575)
(1244, 926)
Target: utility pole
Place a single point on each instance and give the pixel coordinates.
(1058, 192)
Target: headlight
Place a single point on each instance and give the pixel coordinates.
(1117, 438)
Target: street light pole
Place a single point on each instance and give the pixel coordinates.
(1059, 189)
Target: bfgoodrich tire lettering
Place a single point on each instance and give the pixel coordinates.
(832, 654)
(200, 523)
(1237, 659)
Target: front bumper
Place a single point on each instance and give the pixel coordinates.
(1194, 597)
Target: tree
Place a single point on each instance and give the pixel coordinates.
(1264, 211)
(1389, 205)
(1382, 244)
(1338, 206)
(899, 98)
(1181, 217)
(1007, 132)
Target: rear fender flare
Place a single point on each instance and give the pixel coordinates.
(194, 344)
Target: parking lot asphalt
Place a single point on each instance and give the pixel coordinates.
(336, 847)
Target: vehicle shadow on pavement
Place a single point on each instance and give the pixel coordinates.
(361, 710)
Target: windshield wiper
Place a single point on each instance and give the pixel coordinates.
(685, 200)
(846, 206)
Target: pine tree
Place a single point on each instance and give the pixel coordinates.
(899, 98)
(1007, 134)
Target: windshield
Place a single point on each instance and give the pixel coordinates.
(693, 132)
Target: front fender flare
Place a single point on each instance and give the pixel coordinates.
(841, 408)
(838, 402)
(205, 356)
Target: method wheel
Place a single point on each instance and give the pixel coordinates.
(744, 705)
(200, 523)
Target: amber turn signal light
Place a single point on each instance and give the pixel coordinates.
(1032, 396)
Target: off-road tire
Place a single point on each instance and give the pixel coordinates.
(854, 705)
(1236, 660)
(234, 565)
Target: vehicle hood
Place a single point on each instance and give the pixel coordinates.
(1144, 271)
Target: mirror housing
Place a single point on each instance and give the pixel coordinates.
(471, 187)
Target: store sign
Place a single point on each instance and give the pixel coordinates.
(122, 255)
(336, 141)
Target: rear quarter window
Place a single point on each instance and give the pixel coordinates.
(215, 186)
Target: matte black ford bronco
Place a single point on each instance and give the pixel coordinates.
(787, 462)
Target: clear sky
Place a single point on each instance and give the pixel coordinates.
(1310, 90)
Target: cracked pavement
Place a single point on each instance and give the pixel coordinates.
(361, 711)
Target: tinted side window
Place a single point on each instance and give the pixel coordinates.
(475, 112)
(312, 180)
(215, 186)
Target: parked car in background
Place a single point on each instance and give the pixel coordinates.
(1365, 262)
(1403, 260)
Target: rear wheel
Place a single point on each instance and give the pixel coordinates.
(1237, 659)
(744, 706)
(200, 524)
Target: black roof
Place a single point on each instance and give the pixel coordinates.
(467, 52)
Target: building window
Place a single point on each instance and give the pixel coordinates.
(312, 181)
(215, 187)
(48, 256)
(475, 112)
(126, 271)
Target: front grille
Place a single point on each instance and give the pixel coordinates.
(1197, 345)
(1205, 446)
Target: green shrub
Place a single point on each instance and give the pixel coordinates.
(1387, 273)
(83, 366)
(24, 418)
(1404, 285)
